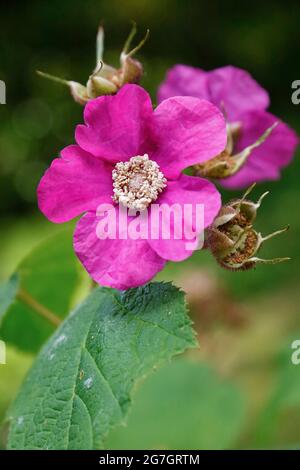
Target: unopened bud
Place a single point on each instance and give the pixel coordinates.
(106, 79)
(98, 85)
(131, 69)
(226, 164)
(233, 240)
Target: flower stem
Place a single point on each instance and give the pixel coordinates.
(43, 311)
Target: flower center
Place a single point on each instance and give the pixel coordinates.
(137, 182)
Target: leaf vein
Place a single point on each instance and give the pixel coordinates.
(99, 370)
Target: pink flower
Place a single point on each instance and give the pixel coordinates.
(244, 102)
(122, 132)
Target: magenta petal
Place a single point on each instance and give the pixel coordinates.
(74, 183)
(183, 80)
(266, 161)
(121, 264)
(230, 88)
(188, 131)
(187, 191)
(116, 127)
(236, 91)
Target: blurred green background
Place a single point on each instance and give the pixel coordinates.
(241, 387)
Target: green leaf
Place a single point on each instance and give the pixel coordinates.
(50, 275)
(80, 384)
(8, 292)
(185, 405)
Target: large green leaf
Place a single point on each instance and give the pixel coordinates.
(80, 384)
(50, 275)
(185, 405)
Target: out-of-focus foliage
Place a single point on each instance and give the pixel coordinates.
(182, 407)
(11, 377)
(50, 275)
(256, 315)
(280, 419)
(8, 292)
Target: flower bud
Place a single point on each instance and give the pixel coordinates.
(131, 69)
(232, 239)
(98, 86)
(79, 92)
(106, 80)
(225, 164)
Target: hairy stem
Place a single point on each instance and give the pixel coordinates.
(40, 309)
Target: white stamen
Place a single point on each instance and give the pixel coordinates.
(137, 182)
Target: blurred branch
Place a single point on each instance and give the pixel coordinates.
(40, 309)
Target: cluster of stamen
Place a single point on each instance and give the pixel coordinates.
(137, 182)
